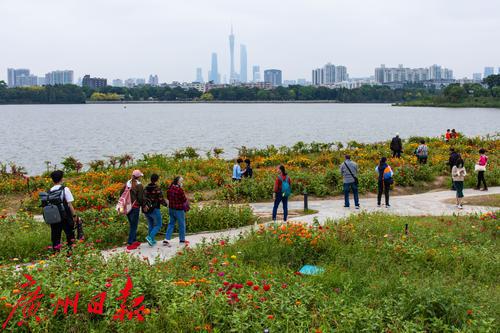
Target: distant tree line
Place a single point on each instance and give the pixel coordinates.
(366, 94)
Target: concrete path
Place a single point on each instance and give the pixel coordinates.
(430, 203)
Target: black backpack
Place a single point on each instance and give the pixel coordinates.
(54, 205)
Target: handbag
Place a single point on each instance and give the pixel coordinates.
(356, 181)
(478, 168)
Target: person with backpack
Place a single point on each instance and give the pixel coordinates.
(422, 152)
(153, 199)
(282, 191)
(396, 146)
(237, 170)
(248, 172)
(385, 181)
(349, 171)
(458, 174)
(452, 161)
(136, 191)
(61, 197)
(480, 168)
(178, 205)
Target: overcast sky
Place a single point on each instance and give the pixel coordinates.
(131, 38)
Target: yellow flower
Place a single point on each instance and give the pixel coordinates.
(233, 257)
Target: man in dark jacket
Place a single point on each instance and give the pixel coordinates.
(396, 146)
(454, 156)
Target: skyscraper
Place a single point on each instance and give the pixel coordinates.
(435, 72)
(59, 77)
(199, 75)
(341, 74)
(488, 71)
(232, 73)
(213, 74)
(93, 82)
(14, 76)
(329, 72)
(273, 76)
(153, 80)
(243, 63)
(477, 77)
(256, 73)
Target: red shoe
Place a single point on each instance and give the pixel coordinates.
(136, 243)
(132, 246)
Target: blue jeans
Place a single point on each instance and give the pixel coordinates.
(280, 198)
(154, 222)
(347, 188)
(133, 221)
(179, 216)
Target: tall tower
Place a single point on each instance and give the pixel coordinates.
(232, 75)
(243, 63)
(214, 71)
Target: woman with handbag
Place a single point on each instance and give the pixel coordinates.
(480, 168)
(178, 205)
(385, 180)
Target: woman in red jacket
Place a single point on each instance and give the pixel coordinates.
(177, 207)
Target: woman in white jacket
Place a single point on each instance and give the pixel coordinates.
(458, 174)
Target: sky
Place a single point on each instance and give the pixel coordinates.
(130, 38)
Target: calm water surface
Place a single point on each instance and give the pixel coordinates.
(32, 134)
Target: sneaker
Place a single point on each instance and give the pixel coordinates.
(476, 188)
(387, 206)
(136, 243)
(166, 243)
(150, 241)
(346, 206)
(378, 205)
(460, 207)
(132, 246)
(357, 207)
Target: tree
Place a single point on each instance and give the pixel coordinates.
(492, 81)
(207, 97)
(455, 93)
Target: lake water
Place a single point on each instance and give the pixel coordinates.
(32, 134)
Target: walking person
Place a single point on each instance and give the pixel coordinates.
(137, 199)
(458, 174)
(452, 161)
(385, 180)
(153, 200)
(447, 136)
(396, 146)
(454, 134)
(349, 171)
(237, 170)
(422, 152)
(282, 191)
(177, 207)
(63, 198)
(480, 168)
(248, 172)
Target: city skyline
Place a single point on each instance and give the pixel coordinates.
(456, 34)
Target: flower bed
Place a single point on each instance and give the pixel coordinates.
(441, 276)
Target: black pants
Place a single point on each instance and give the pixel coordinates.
(56, 232)
(396, 153)
(383, 187)
(480, 178)
(422, 159)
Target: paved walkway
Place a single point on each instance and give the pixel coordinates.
(430, 203)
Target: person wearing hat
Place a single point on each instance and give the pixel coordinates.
(396, 146)
(137, 199)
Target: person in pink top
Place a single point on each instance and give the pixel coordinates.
(481, 169)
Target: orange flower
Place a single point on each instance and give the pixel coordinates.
(16, 291)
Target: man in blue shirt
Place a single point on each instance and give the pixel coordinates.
(237, 170)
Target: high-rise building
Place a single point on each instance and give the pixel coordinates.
(477, 77)
(341, 74)
(256, 73)
(329, 74)
(40, 81)
(94, 82)
(318, 76)
(117, 83)
(232, 73)
(435, 72)
(140, 82)
(273, 76)
(402, 74)
(59, 77)
(243, 64)
(213, 74)
(488, 71)
(14, 75)
(129, 83)
(153, 80)
(26, 80)
(199, 75)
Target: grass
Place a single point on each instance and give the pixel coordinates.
(491, 200)
(442, 276)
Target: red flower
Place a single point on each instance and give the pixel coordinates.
(256, 288)
(284, 286)
(266, 287)
(271, 317)
(108, 285)
(238, 286)
(470, 312)
(249, 283)
(225, 283)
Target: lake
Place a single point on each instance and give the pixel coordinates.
(32, 134)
